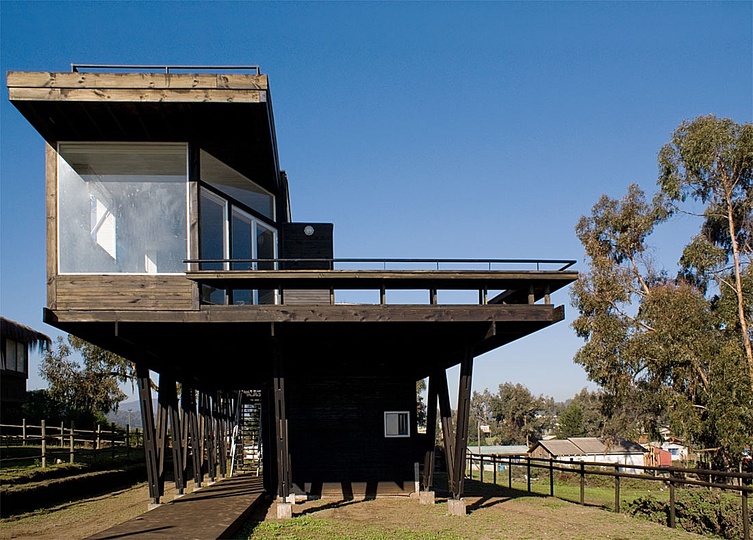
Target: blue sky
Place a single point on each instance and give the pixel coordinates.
(480, 130)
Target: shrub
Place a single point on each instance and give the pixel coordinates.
(696, 510)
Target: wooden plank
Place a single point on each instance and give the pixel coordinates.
(123, 292)
(51, 181)
(138, 95)
(461, 431)
(538, 313)
(30, 79)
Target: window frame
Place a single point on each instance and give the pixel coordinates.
(398, 435)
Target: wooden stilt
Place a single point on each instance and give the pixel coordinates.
(448, 433)
(431, 433)
(171, 398)
(281, 427)
(147, 421)
(461, 432)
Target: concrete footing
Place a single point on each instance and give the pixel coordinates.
(152, 506)
(426, 497)
(284, 510)
(456, 507)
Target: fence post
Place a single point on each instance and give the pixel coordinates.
(23, 432)
(44, 445)
(128, 440)
(62, 434)
(509, 472)
(494, 465)
(528, 472)
(99, 436)
(551, 477)
(71, 444)
(671, 499)
(617, 489)
(582, 484)
(112, 440)
(746, 515)
(481, 468)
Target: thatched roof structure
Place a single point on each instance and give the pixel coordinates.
(24, 334)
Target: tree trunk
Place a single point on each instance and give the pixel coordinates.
(739, 286)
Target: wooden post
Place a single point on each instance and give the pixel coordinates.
(448, 432)
(528, 472)
(746, 514)
(509, 472)
(461, 431)
(582, 483)
(112, 440)
(99, 437)
(616, 489)
(494, 466)
(431, 433)
(672, 515)
(551, 477)
(147, 421)
(44, 445)
(481, 468)
(128, 440)
(62, 434)
(23, 432)
(70, 443)
(283, 470)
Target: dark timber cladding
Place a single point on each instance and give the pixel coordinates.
(247, 302)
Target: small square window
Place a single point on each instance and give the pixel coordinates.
(396, 424)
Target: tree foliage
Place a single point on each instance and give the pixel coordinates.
(514, 415)
(675, 349)
(85, 392)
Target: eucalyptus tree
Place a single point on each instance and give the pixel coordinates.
(675, 349)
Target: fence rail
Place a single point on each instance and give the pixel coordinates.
(56, 441)
(671, 476)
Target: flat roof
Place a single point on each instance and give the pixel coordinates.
(228, 114)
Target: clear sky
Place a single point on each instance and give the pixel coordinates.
(478, 130)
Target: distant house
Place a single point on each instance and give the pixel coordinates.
(15, 342)
(590, 449)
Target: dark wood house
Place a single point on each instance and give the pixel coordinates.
(16, 342)
(170, 242)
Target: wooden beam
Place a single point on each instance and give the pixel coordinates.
(448, 433)
(284, 482)
(431, 433)
(132, 81)
(461, 432)
(321, 313)
(147, 422)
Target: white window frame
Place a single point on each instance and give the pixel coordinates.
(389, 435)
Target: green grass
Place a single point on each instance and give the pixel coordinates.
(306, 527)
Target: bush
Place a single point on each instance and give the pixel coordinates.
(696, 510)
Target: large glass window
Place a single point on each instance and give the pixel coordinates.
(122, 208)
(15, 356)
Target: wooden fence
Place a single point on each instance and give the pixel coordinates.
(671, 476)
(60, 443)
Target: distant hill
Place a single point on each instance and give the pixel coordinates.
(123, 417)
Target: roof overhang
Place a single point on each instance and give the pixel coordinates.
(227, 114)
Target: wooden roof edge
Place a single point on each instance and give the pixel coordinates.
(137, 80)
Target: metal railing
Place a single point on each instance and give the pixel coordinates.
(563, 264)
(144, 67)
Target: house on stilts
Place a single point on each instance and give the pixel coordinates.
(170, 242)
